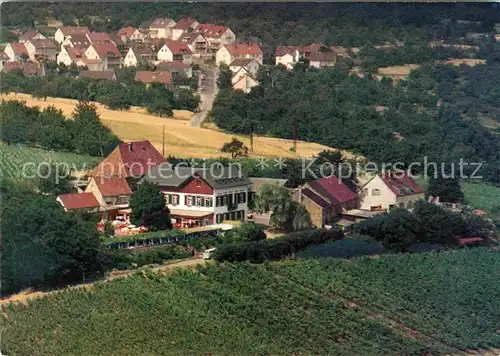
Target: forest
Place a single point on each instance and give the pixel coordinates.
(350, 25)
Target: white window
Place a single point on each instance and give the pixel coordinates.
(375, 192)
(175, 199)
(189, 200)
(198, 201)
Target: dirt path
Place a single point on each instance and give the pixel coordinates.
(24, 296)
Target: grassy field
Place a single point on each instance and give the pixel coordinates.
(181, 139)
(21, 162)
(423, 304)
(482, 196)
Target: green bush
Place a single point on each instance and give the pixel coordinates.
(274, 249)
(127, 259)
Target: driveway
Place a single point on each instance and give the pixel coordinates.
(207, 88)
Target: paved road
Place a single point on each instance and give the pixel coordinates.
(207, 88)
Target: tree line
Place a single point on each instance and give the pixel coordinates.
(115, 94)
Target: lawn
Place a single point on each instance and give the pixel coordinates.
(482, 195)
(181, 140)
(422, 304)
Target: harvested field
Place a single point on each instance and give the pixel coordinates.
(181, 139)
(471, 62)
(397, 72)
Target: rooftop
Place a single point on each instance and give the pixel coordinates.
(78, 201)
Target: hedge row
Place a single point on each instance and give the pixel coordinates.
(128, 259)
(274, 249)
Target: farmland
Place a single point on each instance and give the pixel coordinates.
(482, 196)
(14, 158)
(394, 304)
(181, 140)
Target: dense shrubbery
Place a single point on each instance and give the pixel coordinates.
(48, 128)
(428, 223)
(274, 249)
(345, 248)
(128, 259)
(114, 94)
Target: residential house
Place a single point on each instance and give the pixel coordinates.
(244, 81)
(287, 56)
(104, 74)
(112, 193)
(42, 49)
(139, 54)
(86, 202)
(63, 32)
(100, 38)
(70, 55)
(31, 35)
(306, 51)
(390, 190)
(199, 197)
(196, 42)
(228, 53)
(323, 59)
(161, 28)
(130, 34)
(175, 51)
(149, 77)
(183, 26)
(249, 64)
(15, 50)
(129, 160)
(217, 36)
(95, 65)
(106, 52)
(28, 69)
(3, 58)
(179, 69)
(326, 199)
(77, 40)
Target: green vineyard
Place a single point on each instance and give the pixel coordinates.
(425, 304)
(20, 162)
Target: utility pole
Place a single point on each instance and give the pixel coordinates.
(295, 134)
(163, 141)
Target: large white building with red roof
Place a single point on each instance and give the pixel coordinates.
(389, 190)
(108, 53)
(217, 36)
(63, 32)
(183, 26)
(15, 50)
(228, 53)
(175, 51)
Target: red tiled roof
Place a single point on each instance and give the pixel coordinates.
(468, 240)
(75, 52)
(79, 201)
(212, 31)
(28, 35)
(401, 184)
(29, 68)
(331, 187)
(191, 37)
(242, 62)
(130, 159)
(175, 64)
(242, 49)
(184, 24)
(44, 44)
(106, 50)
(3, 56)
(282, 50)
(92, 61)
(147, 77)
(112, 186)
(100, 37)
(74, 30)
(18, 48)
(160, 23)
(315, 198)
(126, 31)
(80, 40)
(177, 47)
(329, 56)
(143, 50)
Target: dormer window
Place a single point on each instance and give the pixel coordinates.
(198, 183)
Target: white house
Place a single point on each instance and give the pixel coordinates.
(228, 53)
(161, 28)
(287, 56)
(69, 55)
(175, 51)
(249, 64)
(63, 32)
(139, 54)
(196, 42)
(15, 50)
(106, 52)
(389, 190)
(77, 40)
(42, 48)
(129, 33)
(198, 197)
(183, 26)
(244, 81)
(217, 36)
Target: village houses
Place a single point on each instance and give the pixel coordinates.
(107, 53)
(216, 36)
(86, 202)
(139, 54)
(323, 59)
(150, 77)
(178, 69)
(228, 53)
(161, 28)
(77, 40)
(31, 35)
(42, 49)
(63, 32)
(183, 26)
(244, 81)
(130, 34)
(287, 56)
(15, 51)
(249, 64)
(196, 42)
(175, 51)
(70, 55)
